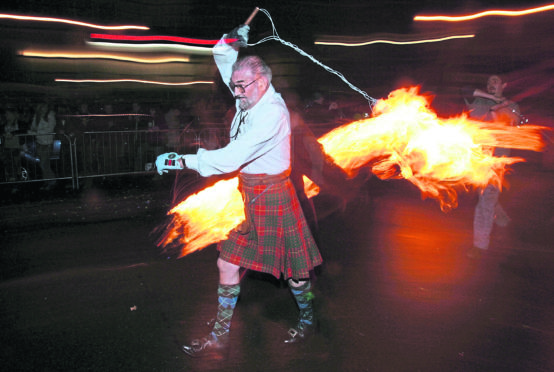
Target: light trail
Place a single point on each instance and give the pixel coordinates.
(190, 49)
(71, 22)
(87, 55)
(131, 81)
(505, 13)
(176, 39)
(395, 42)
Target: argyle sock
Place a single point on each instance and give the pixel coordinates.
(227, 298)
(304, 299)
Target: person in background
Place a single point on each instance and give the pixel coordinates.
(489, 105)
(43, 126)
(11, 159)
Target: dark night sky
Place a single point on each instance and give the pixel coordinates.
(521, 48)
(209, 18)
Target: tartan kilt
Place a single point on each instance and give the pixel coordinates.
(280, 242)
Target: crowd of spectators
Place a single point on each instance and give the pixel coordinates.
(29, 127)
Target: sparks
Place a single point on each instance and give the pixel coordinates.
(404, 139)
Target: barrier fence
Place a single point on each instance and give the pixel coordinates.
(75, 157)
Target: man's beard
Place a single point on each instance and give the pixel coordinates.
(244, 103)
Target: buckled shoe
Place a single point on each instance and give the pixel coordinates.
(300, 333)
(211, 346)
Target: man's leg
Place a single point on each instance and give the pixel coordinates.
(302, 292)
(484, 217)
(501, 218)
(228, 292)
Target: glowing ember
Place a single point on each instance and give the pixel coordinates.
(404, 139)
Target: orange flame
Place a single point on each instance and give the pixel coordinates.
(206, 217)
(404, 139)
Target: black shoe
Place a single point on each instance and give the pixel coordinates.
(300, 333)
(209, 346)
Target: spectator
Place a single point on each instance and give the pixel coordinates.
(11, 159)
(489, 105)
(43, 125)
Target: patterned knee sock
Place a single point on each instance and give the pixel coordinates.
(227, 298)
(304, 298)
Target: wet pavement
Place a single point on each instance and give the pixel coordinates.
(84, 288)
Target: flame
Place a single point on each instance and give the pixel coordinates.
(404, 139)
(206, 217)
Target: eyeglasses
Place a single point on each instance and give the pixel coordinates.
(240, 87)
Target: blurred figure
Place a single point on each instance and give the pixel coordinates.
(138, 122)
(10, 157)
(155, 139)
(489, 105)
(322, 112)
(172, 117)
(307, 159)
(43, 126)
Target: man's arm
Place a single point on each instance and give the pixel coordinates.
(226, 54)
(483, 94)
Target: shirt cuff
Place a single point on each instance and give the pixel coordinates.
(191, 162)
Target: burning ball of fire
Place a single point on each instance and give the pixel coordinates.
(403, 139)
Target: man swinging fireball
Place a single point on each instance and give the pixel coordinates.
(275, 237)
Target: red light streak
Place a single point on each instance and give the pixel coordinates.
(176, 39)
(506, 13)
(72, 22)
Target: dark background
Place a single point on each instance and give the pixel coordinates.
(518, 47)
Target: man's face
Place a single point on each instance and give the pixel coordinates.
(495, 86)
(247, 88)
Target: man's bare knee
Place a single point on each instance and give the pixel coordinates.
(228, 272)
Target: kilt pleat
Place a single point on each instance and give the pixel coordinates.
(280, 242)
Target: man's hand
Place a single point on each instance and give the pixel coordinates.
(168, 161)
(241, 34)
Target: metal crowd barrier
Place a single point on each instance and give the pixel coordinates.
(85, 155)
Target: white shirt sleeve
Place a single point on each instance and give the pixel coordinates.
(225, 56)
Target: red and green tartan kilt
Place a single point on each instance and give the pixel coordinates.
(280, 241)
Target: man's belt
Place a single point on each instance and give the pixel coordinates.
(249, 179)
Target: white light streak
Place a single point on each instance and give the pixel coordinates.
(71, 22)
(395, 42)
(87, 55)
(131, 81)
